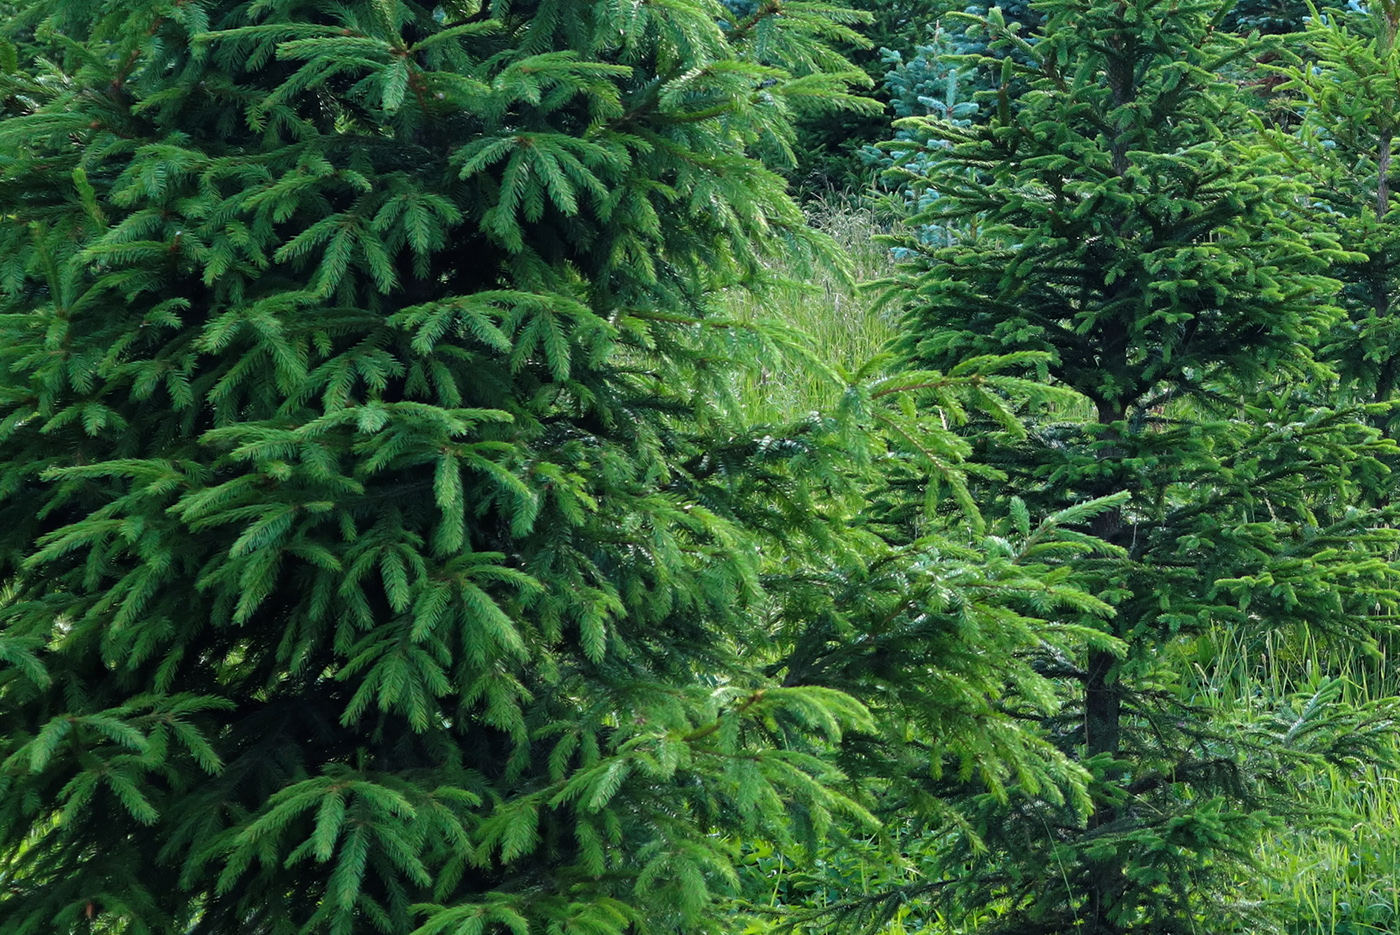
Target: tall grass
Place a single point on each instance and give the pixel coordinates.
(824, 312)
(1338, 880)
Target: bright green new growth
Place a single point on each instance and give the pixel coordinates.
(362, 569)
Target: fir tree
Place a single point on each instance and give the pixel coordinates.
(1114, 220)
(1269, 17)
(1339, 92)
(933, 82)
(366, 563)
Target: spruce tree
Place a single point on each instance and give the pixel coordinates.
(366, 563)
(1340, 122)
(829, 139)
(1114, 218)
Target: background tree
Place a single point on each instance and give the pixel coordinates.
(1112, 223)
(1339, 89)
(902, 54)
(1269, 17)
(829, 142)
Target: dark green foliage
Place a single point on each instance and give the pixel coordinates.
(1115, 219)
(1283, 17)
(365, 566)
(382, 549)
(1269, 17)
(1093, 215)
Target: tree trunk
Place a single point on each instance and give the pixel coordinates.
(1103, 707)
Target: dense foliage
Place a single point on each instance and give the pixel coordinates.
(366, 564)
(421, 510)
(1117, 219)
(1341, 82)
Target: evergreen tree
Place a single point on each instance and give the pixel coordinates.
(1115, 219)
(908, 43)
(1340, 94)
(833, 152)
(367, 559)
(1269, 17)
(933, 82)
